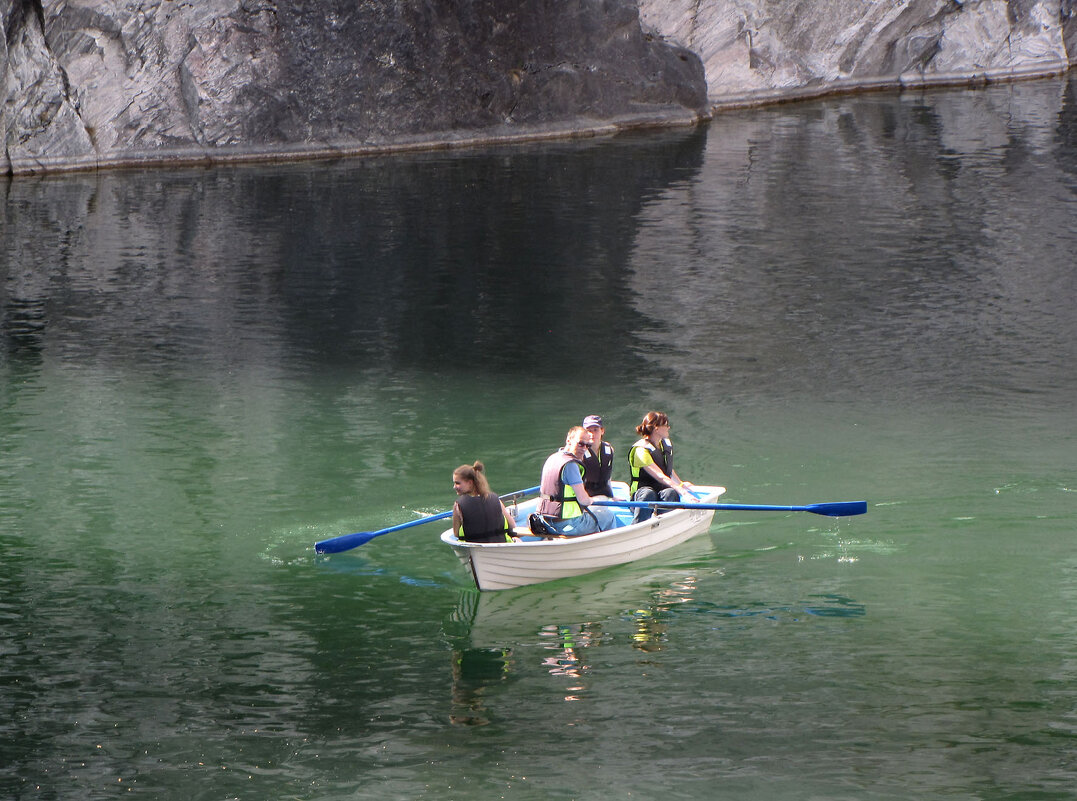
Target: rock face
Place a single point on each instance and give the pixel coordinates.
(89, 82)
(86, 83)
(761, 50)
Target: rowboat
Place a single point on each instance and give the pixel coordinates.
(532, 560)
(493, 619)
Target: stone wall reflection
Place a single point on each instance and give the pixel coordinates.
(505, 259)
(883, 243)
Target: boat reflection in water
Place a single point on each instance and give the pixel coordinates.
(652, 622)
(493, 634)
(473, 670)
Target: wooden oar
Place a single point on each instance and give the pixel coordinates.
(345, 542)
(841, 509)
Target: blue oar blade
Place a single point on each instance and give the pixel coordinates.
(846, 509)
(345, 542)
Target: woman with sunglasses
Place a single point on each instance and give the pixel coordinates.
(650, 463)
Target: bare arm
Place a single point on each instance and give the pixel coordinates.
(682, 485)
(674, 481)
(508, 517)
(656, 472)
(582, 497)
(457, 520)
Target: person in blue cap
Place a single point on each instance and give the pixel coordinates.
(597, 460)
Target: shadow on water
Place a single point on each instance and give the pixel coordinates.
(840, 247)
(868, 247)
(491, 260)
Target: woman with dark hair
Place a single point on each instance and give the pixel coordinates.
(650, 462)
(478, 514)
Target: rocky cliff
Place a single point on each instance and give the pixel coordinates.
(764, 50)
(88, 83)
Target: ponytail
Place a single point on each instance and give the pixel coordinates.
(652, 421)
(475, 473)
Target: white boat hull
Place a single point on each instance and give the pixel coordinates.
(502, 566)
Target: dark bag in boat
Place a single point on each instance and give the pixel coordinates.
(540, 528)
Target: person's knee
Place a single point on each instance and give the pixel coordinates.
(644, 495)
(605, 519)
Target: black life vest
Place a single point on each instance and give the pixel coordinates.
(482, 519)
(598, 470)
(663, 460)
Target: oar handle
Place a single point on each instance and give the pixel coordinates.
(345, 542)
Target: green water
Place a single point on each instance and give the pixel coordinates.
(205, 372)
